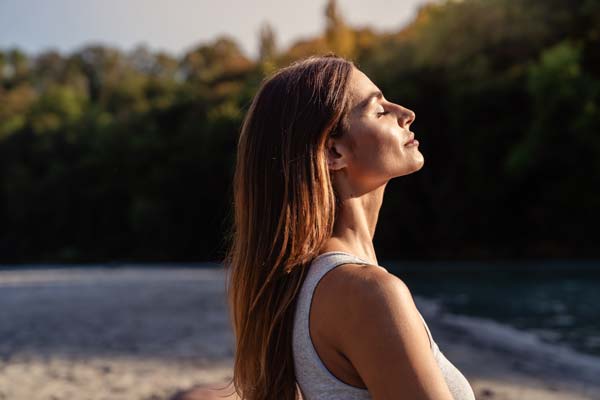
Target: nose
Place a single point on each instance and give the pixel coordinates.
(410, 117)
(405, 116)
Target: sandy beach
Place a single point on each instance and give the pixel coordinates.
(148, 333)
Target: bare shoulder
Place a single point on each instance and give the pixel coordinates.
(364, 282)
(355, 294)
(379, 330)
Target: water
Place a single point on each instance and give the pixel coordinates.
(559, 302)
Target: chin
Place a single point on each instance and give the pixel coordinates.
(421, 163)
(414, 166)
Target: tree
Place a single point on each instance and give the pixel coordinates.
(209, 62)
(339, 36)
(267, 43)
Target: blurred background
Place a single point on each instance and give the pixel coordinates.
(118, 132)
(112, 148)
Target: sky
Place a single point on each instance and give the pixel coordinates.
(178, 25)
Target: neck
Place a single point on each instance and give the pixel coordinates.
(355, 224)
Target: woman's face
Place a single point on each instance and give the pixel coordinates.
(375, 148)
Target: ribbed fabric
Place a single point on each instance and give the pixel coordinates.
(315, 381)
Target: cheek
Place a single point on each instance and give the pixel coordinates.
(375, 147)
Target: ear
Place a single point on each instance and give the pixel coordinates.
(336, 154)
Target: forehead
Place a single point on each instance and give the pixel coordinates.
(361, 90)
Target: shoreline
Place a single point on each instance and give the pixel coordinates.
(502, 362)
(147, 334)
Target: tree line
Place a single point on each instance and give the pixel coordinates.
(108, 155)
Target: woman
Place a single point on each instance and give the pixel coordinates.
(317, 147)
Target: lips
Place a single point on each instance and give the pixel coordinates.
(410, 138)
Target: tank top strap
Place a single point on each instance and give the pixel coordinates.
(325, 262)
(314, 378)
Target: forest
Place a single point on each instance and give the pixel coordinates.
(112, 156)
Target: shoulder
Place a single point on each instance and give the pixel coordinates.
(380, 331)
(356, 287)
(357, 294)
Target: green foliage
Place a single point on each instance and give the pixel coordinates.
(564, 99)
(14, 106)
(105, 155)
(59, 107)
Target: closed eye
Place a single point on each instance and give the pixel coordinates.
(379, 114)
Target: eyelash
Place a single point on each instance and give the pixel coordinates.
(379, 114)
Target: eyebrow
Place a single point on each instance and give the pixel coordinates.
(364, 103)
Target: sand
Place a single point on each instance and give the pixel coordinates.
(149, 333)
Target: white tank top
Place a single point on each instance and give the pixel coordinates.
(315, 381)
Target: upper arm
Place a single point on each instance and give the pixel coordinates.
(383, 336)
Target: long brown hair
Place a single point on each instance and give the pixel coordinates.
(284, 211)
